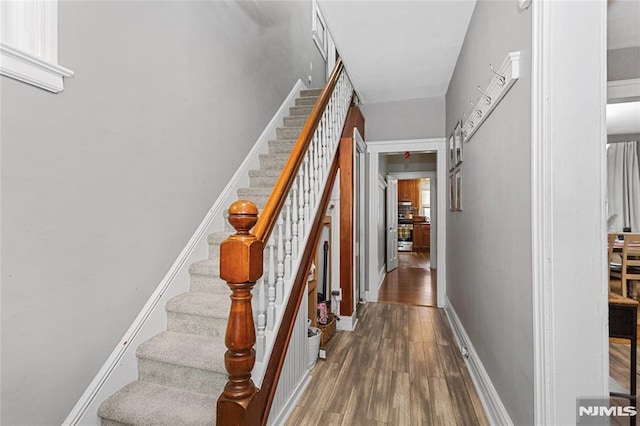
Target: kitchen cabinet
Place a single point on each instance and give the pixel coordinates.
(409, 190)
(421, 236)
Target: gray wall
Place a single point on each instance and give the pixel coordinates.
(410, 119)
(489, 243)
(423, 162)
(104, 183)
(623, 64)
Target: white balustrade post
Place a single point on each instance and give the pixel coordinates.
(306, 189)
(280, 258)
(271, 291)
(287, 238)
(262, 321)
(294, 219)
(301, 223)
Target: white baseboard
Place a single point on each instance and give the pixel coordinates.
(347, 323)
(382, 273)
(121, 366)
(494, 408)
(286, 411)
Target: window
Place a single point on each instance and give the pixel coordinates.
(319, 30)
(29, 43)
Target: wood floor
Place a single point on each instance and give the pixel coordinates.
(412, 283)
(619, 361)
(399, 367)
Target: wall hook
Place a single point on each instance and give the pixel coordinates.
(487, 98)
(501, 78)
(468, 120)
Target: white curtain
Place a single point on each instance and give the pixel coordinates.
(623, 186)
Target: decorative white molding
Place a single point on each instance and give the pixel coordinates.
(29, 43)
(25, 67)
(123, 356)
(494, 408)
(319, 30)
(542, 220)
(623, 90)
(347, 322)
(382, 273)
(503, 78)
(286, 411)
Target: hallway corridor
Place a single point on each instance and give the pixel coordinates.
(413, 282)
(400, 366)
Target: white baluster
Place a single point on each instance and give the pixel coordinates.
(280, 258)
(294, 218)
(262, 320)
(301, 208)
(271, 291)
(306, 189)
(287, 238)
(316, 170)
(312, 178)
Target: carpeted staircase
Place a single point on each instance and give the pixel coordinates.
(181, 370)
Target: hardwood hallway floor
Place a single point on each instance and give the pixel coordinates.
(413, 282)
(399, 367)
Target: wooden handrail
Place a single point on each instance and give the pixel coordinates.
(260, 405)
(241, 265)
(269, 215)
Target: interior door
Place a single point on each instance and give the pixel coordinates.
(358, 220)
(392, 223)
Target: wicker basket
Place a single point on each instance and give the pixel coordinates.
(327, 330)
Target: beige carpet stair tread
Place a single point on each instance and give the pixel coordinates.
(186, 350)
(149, 404)
(310, 92)
(201, 304)
(210, 267)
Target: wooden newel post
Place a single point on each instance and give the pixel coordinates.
(241, 257)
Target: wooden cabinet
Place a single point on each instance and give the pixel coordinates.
(421, 237)
(409, 190)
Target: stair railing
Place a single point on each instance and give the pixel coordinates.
(274, 250)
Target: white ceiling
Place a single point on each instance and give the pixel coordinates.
(419, 41)
(623, 24)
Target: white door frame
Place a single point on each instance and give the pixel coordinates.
(433, 254)
(375, 148)
(359, 152)
(568, 117)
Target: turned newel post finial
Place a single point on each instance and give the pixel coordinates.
(243, 215)
(241, 262)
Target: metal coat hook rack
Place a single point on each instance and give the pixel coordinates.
(502, 80)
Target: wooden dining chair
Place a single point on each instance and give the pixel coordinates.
(615, 267)
(630, 263)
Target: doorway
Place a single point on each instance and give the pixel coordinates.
(378, 188)
(412, 278)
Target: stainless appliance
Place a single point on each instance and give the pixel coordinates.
(405, 237)
(405, 226)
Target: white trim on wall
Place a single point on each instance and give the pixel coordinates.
(29, 44)
(555, 96)
(495, 410)
(374, 149)
(541, 223)
(623, 90)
